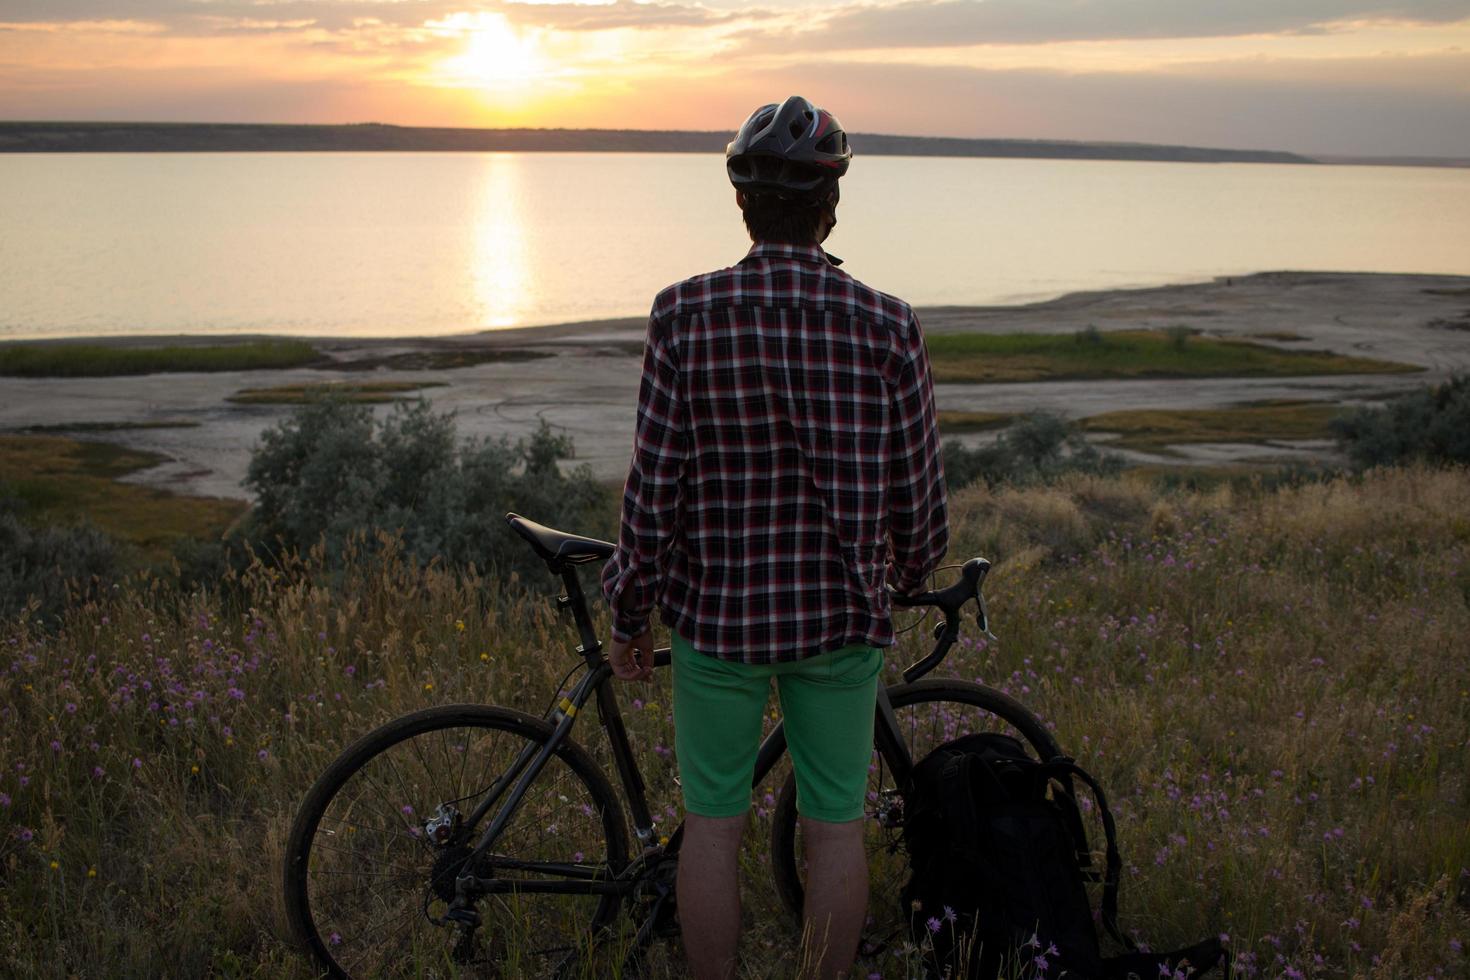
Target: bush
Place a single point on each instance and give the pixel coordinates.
(48, 564)
(334, 474)
(1036, 447)
(1430, 425)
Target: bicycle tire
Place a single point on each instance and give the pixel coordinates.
(363, 881)
(888, 876)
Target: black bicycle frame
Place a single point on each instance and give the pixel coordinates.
(582, 879)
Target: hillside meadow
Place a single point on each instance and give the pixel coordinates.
(1271, 681)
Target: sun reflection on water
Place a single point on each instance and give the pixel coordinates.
(499, 270)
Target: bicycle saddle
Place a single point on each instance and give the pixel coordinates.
(559, 547)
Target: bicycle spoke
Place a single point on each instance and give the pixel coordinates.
(372, 897)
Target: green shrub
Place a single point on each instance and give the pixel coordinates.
(333, 473)
(1036, 447)
(1430, 425)
(48, 564)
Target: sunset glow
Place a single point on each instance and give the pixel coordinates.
(1369, 77)
(495, 54)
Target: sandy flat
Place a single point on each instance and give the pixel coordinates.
(588, 385)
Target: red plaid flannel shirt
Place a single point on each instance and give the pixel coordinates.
(786, 462)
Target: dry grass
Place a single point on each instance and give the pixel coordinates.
(1154, 429)
(66, 480)
(1272, 685)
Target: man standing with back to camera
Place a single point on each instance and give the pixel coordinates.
(785, 472)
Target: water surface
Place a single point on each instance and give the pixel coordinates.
(405, 244)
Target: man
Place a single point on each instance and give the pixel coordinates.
(785, 471)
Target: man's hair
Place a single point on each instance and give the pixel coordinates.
(769, 218)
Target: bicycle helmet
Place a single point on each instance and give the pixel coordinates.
(791, 150)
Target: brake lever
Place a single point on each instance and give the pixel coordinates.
(982, 618)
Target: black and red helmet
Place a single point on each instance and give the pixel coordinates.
(792, 150)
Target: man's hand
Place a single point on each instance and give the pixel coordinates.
(633, 660)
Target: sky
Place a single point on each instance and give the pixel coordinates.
(1369, 77)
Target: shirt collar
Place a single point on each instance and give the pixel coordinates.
(786, 250)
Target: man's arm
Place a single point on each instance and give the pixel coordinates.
(918, 521)
(651, 496)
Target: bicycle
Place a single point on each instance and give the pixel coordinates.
(481, 838)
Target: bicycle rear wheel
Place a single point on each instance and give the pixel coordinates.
(366, 886)
(929, 713)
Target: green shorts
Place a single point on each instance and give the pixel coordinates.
(827, 705)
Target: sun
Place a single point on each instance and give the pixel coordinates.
(496, 55)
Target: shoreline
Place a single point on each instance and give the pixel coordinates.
(1057, 314)
(585, 381)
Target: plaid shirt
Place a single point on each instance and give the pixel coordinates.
(785, 464)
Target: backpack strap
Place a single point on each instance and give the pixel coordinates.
(1066, 766)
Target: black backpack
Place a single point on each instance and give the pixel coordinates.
(999, 859)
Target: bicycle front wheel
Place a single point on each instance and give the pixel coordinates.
(929, 713)
(370, 873)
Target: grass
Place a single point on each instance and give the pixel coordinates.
(100, 360)
(442, 360)
(65, 480)
(1155, 429)
(1090, 354)
(951, 423)
(1284, 336)
(110, 426)
(369, 392)
(1270, 683)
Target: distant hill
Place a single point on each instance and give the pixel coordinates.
(88, 137)
(1397, 161)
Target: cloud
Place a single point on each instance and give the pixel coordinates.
(945, 23)
(190, 17)
(1408, 105)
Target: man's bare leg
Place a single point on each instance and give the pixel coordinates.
(836, 896)
(709, 894)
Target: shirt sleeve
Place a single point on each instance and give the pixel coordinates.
(918, 519)
(651, 497)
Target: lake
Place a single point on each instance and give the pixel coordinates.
(415, 244)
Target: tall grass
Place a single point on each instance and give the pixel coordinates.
(1272, 684)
